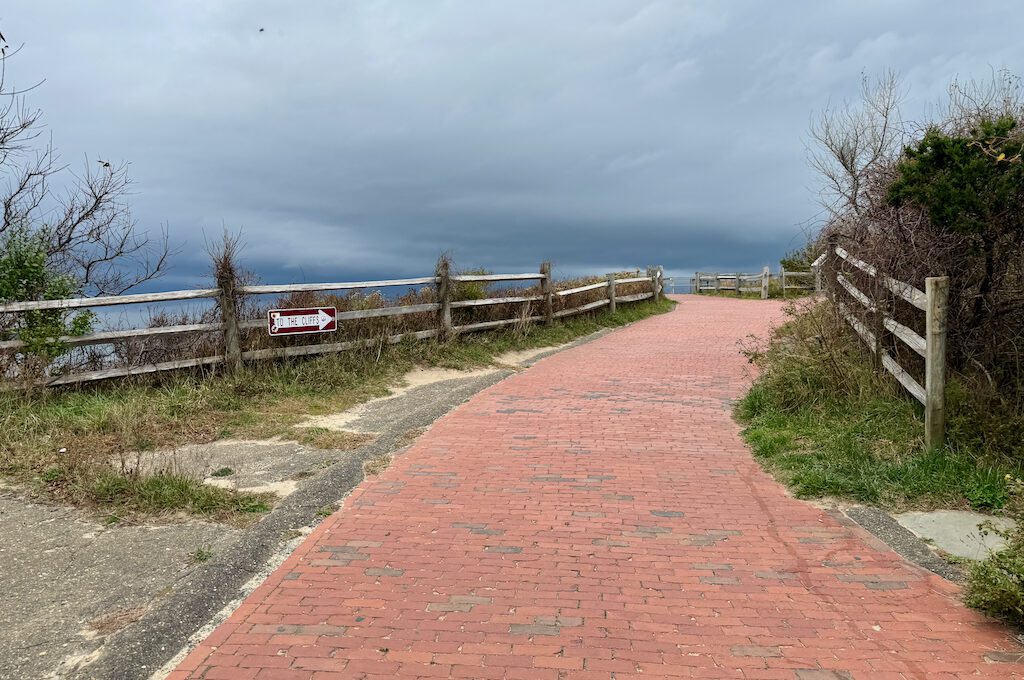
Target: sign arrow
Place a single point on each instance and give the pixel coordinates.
(303, 320)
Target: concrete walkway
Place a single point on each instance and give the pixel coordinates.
(598, 516)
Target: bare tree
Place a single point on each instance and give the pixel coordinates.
(974, 101)
(853, 142)
(84, 217)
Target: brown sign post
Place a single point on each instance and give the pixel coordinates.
(302, 320)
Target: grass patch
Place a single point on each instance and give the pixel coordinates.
(201, 555)
(825, 424)
(163, 493)
(868, 450)
(340, 440)
(79, 445)
(377, 465)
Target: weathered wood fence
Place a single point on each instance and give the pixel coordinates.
(880, 319)
(228, 299)
(759, 282)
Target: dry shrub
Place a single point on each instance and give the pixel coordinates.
(227, 272)
(812, 358)
(942, 198)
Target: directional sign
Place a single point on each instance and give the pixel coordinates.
(305, 320)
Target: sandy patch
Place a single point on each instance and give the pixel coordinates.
(419, 377)
(282, 488)
(522, 356)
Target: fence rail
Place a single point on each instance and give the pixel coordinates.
(932, 301)
(229, 297)
(757, 282)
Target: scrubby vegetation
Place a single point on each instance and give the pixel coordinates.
(828, 424)
(996, 585)
(939, 198)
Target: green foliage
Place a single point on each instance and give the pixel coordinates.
(996, 584)
(979, 418)
(168, 492)
(969, 184)
(827, 425)
(471, 290)
(26, 276)
(800, 259)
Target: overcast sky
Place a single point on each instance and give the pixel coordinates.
(361, 138)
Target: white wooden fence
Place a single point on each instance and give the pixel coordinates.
(228, 299)
(932, 347)
(759, 282)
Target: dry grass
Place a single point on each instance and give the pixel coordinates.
(377, 465)
(337, 440)
(116, 620)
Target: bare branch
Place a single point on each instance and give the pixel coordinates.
(851, 142)
(87, 223)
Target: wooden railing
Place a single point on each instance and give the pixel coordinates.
(231, 327)
(759, 282)
(932, 346)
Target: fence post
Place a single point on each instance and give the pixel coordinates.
(545, 288)
(765, 279)
(696, 283)
(738, 284)
(830, 253)
(227, 300)
(611, 293)
(877, 324)
(652, 274)
(937, 290)
(718, 282)
(782, 280)
(444, 296)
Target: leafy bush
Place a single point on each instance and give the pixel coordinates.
(969, 188)
(941, 197)
(996, 584)
(26, 276)
(800, 259)
(472, 290)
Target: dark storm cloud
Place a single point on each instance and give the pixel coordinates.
(363, 138)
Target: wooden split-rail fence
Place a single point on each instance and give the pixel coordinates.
(933, 301)
(844, 292)
(228, 298)
(786, 282)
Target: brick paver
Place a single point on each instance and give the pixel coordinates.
(598, 516)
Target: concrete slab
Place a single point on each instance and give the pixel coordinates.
(66, 581)
(956, 532)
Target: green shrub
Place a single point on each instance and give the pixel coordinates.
(472, 290)
(26, 276)
(995, 585)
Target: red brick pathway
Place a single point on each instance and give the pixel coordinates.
(598, 516)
